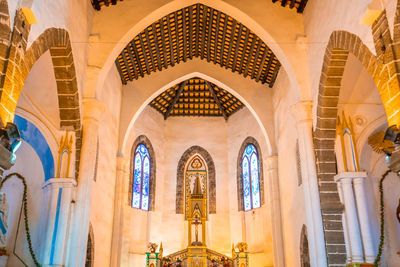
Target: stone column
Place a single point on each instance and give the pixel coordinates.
(55, 220)
(119, 248)
(350, 209)
(302, 111)
(366, 231)
(93, 110)
(271, 165)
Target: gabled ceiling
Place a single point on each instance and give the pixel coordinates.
(97, 4)
(298, 4)
(196, 97)
(198, 31)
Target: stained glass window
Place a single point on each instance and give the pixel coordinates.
(141, 178)
(251, 178)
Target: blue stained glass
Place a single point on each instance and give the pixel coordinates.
(246, 184)
(141, 178)
(251, 178)
(137, 180)
(146, 182)
(255, 181)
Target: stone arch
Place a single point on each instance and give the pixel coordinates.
(304, 249)
(180, 183)
(57, 41)
(248, 141)
(89, 262)
(383, 69)
(142, 139)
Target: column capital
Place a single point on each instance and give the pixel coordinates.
(271, 162)
(349, 175)
(60, 182)
(93, 109)
(302, 111)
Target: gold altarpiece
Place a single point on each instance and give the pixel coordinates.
(196, 213)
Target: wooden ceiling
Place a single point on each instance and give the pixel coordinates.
(198, 31)
(196, 97)
(298, 4)
(97, 4)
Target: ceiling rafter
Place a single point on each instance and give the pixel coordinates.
(198, 31)
(298, 4)
(196, 97)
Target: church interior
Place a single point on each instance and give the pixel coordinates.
(197, 133)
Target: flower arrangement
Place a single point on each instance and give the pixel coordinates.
(152, 247)
(242, 246)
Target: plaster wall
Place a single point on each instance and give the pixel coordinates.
(102, 205)
(291, 193)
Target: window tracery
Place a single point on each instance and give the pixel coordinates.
(250, 176)
(142, 178)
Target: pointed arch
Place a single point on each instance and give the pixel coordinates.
(304, 249)
(142, 139)
(249, 141)
(180, 183)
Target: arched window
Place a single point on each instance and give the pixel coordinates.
(251, 178)
(141, 178)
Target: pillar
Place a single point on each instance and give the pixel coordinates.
(302, 111)
(203, 232)
(92, 112)
(365, 227)
(271, 165)
(55, 221)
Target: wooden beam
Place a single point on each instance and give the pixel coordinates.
(292, 2)
(203, 35)
(190, 31)
(209, 34)
(246, 70)
(223, 40)
(283, 2)
(237, 47)
(120, 71)
(185, 52)
(174, 100)
(146, 32)
(128, 70)
(133, 61)
(177, 39)
(164, 45)
(274, 75)
(171, 48)
(245, 45)
(197, 32)
(228, 56)
(217, 100)
(262, 63)
(268, 68)
(144, 55)
(216, 36)
(134, 49)
(302, 5)
(153, 27)
(256, 58)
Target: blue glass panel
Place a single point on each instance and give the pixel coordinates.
(137, 176)
(255, 183)
(246, 184)
(146, 182)
(250, 149)
(31, 134)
